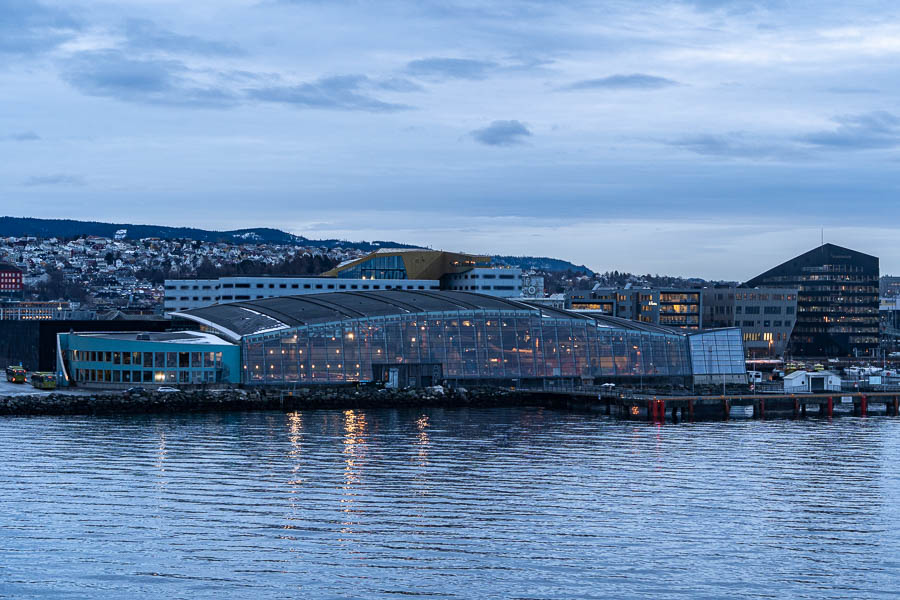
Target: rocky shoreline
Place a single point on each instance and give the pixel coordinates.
(110, 402)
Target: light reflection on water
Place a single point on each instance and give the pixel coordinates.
(446, 503)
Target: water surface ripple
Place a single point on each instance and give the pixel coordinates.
(494, 503)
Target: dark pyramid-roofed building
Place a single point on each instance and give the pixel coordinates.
(837, 301)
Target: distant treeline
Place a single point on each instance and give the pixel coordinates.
(297, 265)
(55, 287)
(71, 229)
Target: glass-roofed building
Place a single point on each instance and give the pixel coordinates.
(426, 337)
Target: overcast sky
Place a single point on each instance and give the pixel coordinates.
(700, 138)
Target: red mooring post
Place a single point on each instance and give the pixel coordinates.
(691, 409)
(863, 406)
(662, 410)
(762, 409)
(829, 408)
(896, 405)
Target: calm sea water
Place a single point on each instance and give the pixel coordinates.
(447, 504)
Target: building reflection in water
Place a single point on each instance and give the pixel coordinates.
(423, 441)
(355, 446)
(161, 455)
(295, 482)
(295, 430)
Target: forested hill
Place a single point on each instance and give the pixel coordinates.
(540, 263)
(68, 228)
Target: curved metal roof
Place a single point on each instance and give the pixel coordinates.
(238, 319)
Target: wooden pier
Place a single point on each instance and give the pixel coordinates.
(691, 408)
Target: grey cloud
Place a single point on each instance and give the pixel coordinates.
(633, 81)
(450, 68)
(24, 136)
(112, 74)
(736, 145)
(142, 34)
(865, 131)
(502, 133)
(398, 84)
(29, 27)
(56, 179)
(343, 92)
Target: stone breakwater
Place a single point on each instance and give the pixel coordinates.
(109, 402)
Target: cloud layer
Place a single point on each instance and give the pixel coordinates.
(665, 110)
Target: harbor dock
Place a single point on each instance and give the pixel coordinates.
(722, 407)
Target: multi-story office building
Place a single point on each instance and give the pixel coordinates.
(837, 301)
(766, 316)
(505, 283)
(386, 269)
(889, 286)
(10, 280)
(37, 311)
(889, 314)
(674, 307)
(185, 294)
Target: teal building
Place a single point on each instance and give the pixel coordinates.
(125, 359)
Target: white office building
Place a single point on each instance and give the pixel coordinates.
(185, 294)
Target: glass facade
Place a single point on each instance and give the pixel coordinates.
(718, 353)
(468, 344)
(376, 267)
(91, 366)
(116, 359)
(837, 301)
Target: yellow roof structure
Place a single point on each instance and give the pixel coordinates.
(420, 264)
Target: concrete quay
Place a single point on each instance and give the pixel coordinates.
(760, 406)
(647, 408)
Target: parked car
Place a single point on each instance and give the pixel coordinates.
(166, 389)
(136, 390)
